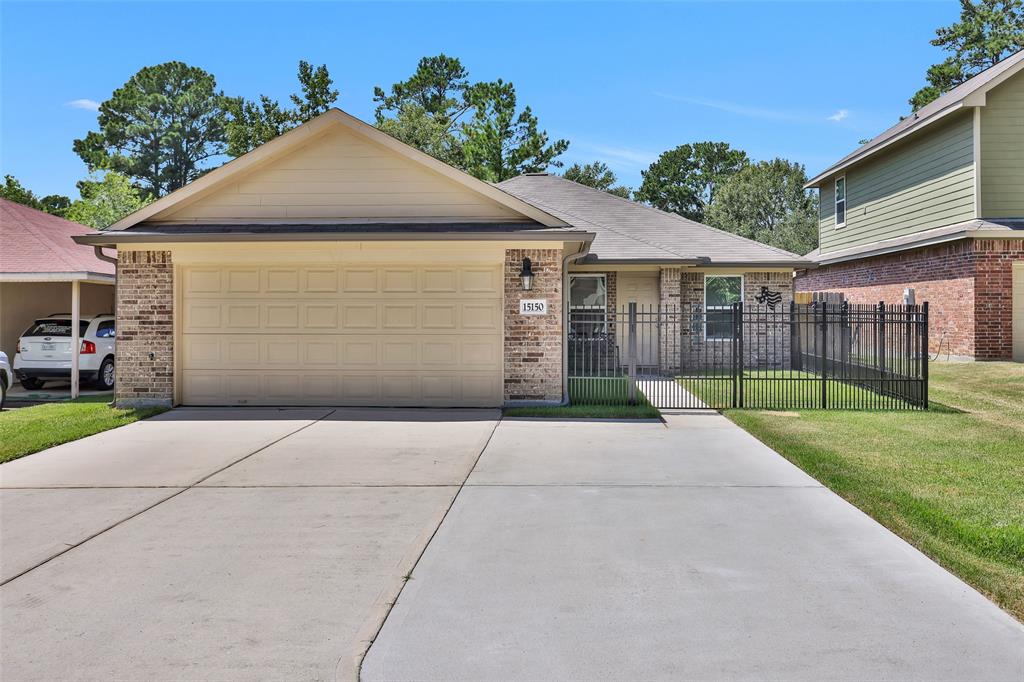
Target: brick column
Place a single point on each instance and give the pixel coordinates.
(145, 326)
(533, 343)
(766, 337)
(669, 291)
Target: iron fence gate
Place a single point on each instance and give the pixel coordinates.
(818, 355)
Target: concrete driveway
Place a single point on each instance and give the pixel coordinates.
(221, 543)
(584, 551)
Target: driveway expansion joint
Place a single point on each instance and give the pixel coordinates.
(419, 557)
(179, 490)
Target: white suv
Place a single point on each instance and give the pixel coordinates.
(6, 378)
(44, 351)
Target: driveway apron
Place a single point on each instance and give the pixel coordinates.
(222, 543)
(585, 550)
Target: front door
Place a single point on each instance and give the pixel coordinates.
(641, 288)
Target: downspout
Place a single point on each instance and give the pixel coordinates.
(98, 250)
(582, 253)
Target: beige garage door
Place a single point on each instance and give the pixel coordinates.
(341, 335)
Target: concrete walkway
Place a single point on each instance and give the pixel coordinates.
(222, 543)
(585, 550)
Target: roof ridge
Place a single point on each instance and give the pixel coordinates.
(680, 218)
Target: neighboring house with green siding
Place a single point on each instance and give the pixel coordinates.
(936, 204)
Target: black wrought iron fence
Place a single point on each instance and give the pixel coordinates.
(818, 355)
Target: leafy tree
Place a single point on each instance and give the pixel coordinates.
(425, 110)
(254, 123)
(473, 126)
(159, 128)
(684, 180)
(105, 200)
(13, 190)
(438, 87)
(498, 143)
(988, 32)
(766, 202)
(598, 176)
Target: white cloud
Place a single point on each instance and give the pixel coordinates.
(88, 104)
(839, 115)
(623, 155)
(738, 109)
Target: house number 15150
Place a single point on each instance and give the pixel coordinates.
(535, 306)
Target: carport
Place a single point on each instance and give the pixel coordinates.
(43, 272)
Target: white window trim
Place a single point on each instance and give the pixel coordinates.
(835, 201)
(706, 308)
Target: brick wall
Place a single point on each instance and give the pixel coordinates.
(967, 284)
(145, 325)
(533, 343)
(993, 296)
(765, 344)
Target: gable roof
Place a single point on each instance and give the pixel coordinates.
(295, 138)
(37, 243)
(970, 93)
(627, 231)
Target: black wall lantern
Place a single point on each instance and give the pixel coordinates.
(527, 274)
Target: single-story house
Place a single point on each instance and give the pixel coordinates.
(336, 265)
(43, 272)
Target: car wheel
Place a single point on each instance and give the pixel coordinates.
(105, 377)
(31, 384)
(3, 394)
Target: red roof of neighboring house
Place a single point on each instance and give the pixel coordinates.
(32, 241)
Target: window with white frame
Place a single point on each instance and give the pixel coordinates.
(720, 293)
(840, 201)
(588, 304)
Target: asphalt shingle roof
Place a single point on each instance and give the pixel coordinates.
(32, 241)
(926, 114)
(630, 231)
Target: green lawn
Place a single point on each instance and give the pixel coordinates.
(950, 480)
(788, 389)
(30, 429)
(594, 398)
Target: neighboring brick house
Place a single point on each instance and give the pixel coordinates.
(936, 204)
(338, 266)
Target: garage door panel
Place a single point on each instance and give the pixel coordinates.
(342, 335)
(358, 281)
(358, 352)
(267, 387)
(203, 316)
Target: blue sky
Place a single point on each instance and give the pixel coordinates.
(622, 81)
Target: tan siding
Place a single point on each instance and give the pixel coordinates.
(927, 182)
(1002, 151)
(339, 175)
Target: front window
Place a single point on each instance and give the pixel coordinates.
(720, 293)
(840, 201)
(588, 304)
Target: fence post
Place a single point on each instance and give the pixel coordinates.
(738, 340)
(794, 339)
(923, 322)
(880, 346)
(823, 333)
(632, 352)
